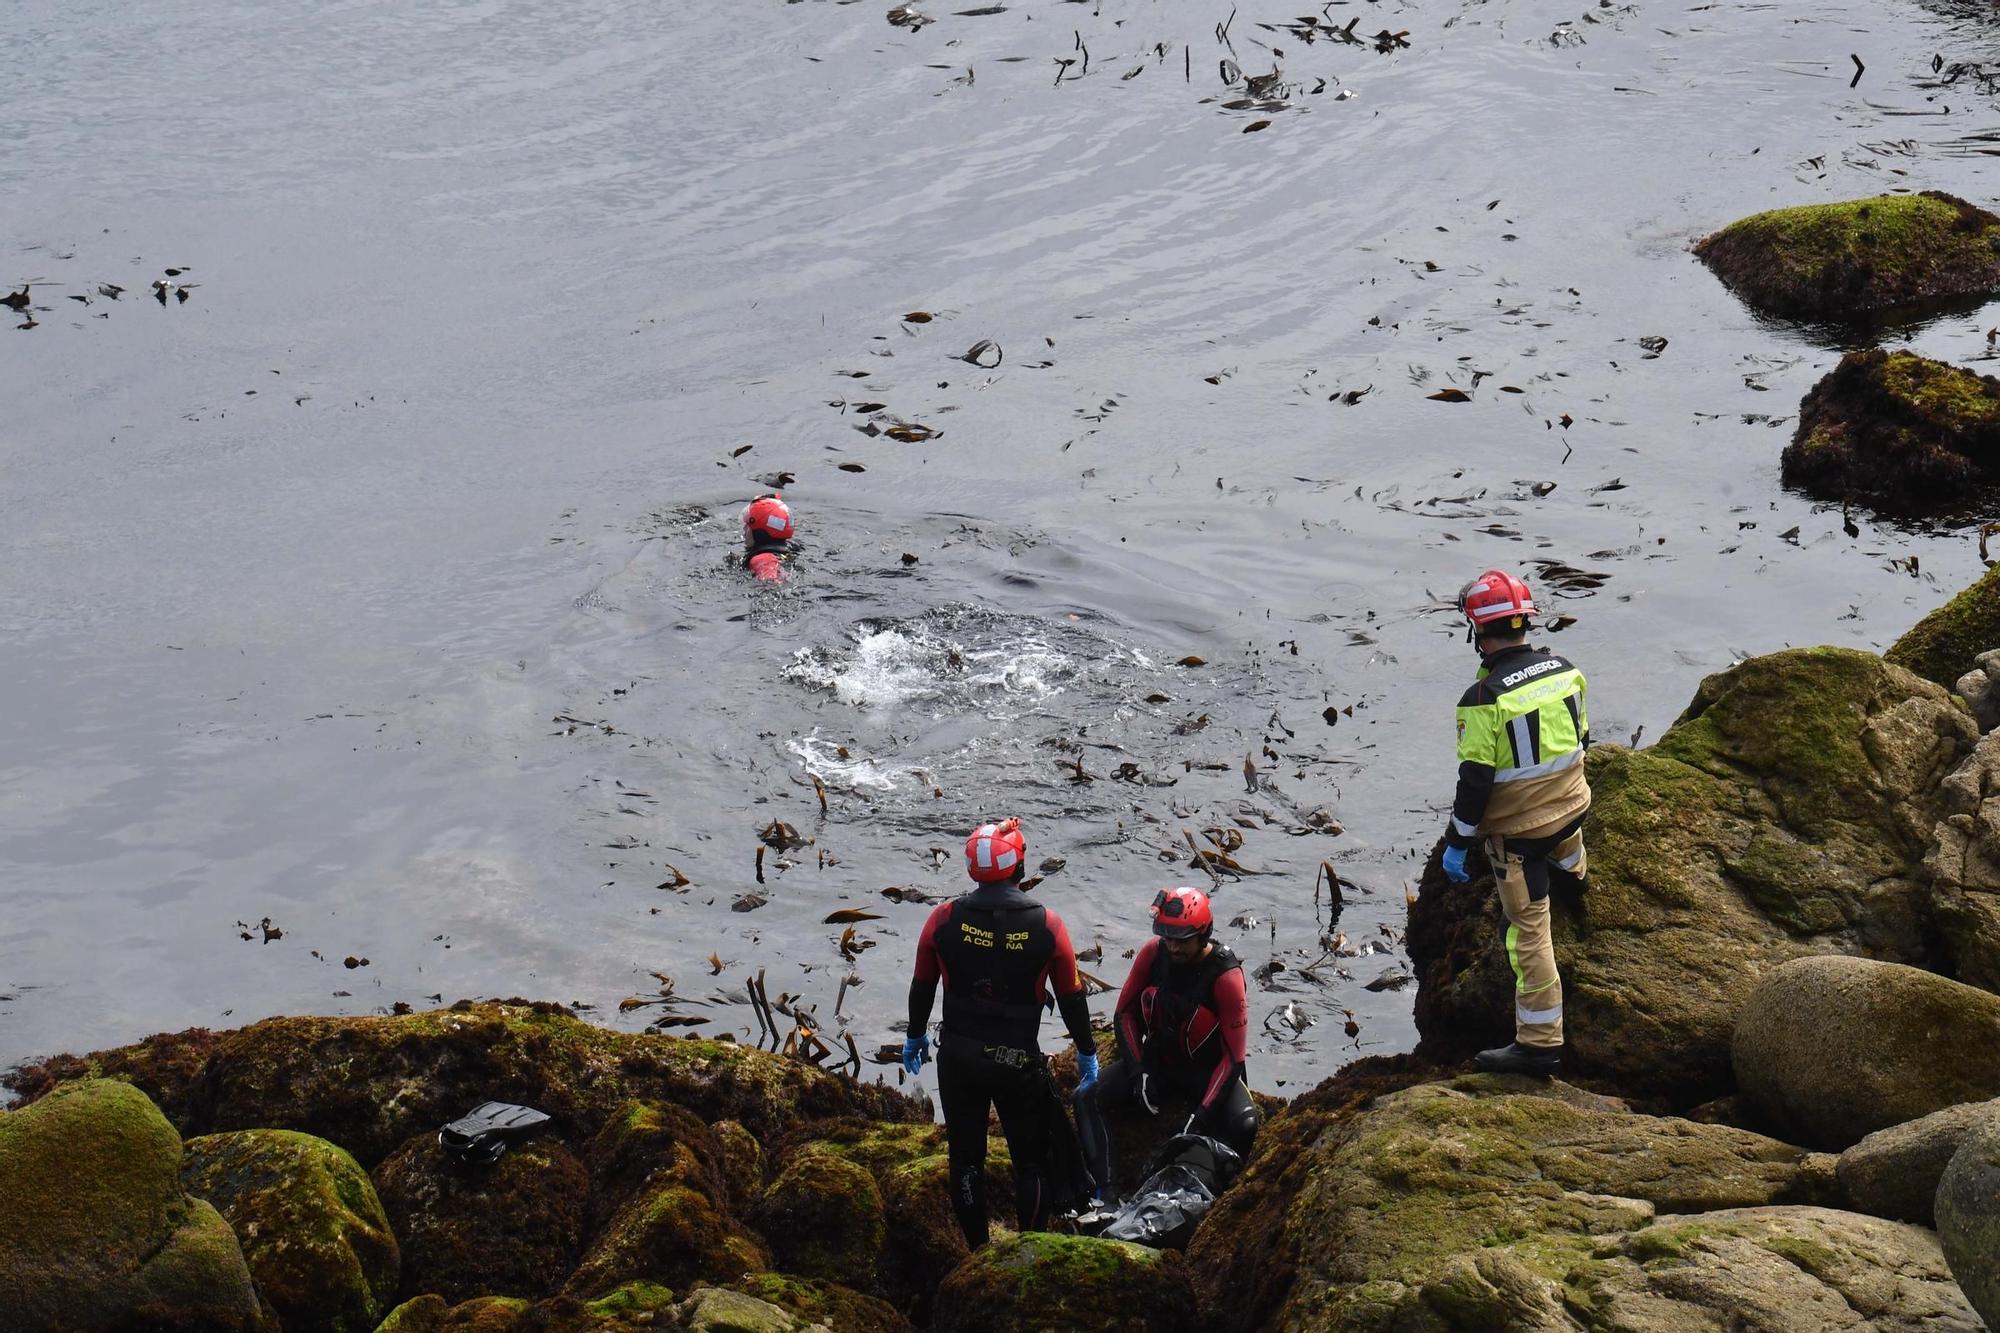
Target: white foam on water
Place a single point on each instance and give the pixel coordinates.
(822, 757)
(913, 664)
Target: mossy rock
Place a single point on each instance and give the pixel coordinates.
(312, 1230)
(922, 1239)
(1941, 646)
(721, 1310)
(1834, 261)
(744, 1162)
(1767, 1268)
(1396, 1211)
(96, 1232)
(512, 1228)
(674, 1234)
(1833, 1049)
(840, 1308)
(166, 1067)
(1785, 813)
(823, 1216)
(644, 1143)
(634, 1308)
(368, 1083)
(1041, 1281)
(1898, 432)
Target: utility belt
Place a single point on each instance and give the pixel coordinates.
(1529, 849)
(1006, 1057)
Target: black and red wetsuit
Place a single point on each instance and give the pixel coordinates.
(767, 560)
(1185, 1028)
(998, 954)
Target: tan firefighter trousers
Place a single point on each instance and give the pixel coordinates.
(1521, 863)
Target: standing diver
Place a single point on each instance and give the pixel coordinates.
(997, 953)
(1182, 1024)
(767, 537)
(1522, 733)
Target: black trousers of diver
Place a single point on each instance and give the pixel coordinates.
(968, 1083)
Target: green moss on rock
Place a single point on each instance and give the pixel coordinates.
(1039, 1281)
(311, 1227)
(95, 1229)
(1896, 431)
(1839, 260)
(840, 1308)
(1941, 646)
(824, 1217)
(513, 1228)
(671, 1234)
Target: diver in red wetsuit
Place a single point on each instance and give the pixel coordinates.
(1183, 1022)
(767, 537)
(998, 953)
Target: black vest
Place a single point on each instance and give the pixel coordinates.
(1180, 1009)
(995, 945)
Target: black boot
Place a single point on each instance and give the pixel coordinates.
(1514, 1058)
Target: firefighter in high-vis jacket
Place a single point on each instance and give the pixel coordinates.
(1522, 732)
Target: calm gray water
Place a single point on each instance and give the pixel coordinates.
(381, 587)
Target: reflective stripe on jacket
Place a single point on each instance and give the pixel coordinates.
(1523, 728)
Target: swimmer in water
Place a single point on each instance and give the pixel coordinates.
(767, 538)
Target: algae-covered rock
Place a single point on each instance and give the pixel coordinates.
(1832, 1049)
(1839, 260)
(743, 1161)
(1964, 865)
(840, 1308)
(1894, 1172)
(1945, 644)
(1770, 1269)
(96, 1232)
(1897, 431)
(637, 1307)
(646, 1142)
(1786, 812)
(312, 1230)
(1968, 1218)
(420, 1314)
(512, 1228)
(922, 1239)
(369, 1083)
(1040, 1281)
(823, 1216)
(1467, 1196)
(672, 1233)
(720, 1310)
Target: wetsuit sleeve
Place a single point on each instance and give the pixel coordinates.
(929, 968)
(1232, 1007)
(1070, 1000)
(1129, 1021)
(1478, 739)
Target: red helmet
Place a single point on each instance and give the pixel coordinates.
(1496, 600)
(1180, 914)
(768, 517)
(995, 851)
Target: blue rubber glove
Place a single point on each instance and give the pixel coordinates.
(916, 1050)
(1086, 1070)
(1454, 865)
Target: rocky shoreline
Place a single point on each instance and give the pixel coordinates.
(1785, 1114)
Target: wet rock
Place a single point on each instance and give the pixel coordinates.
(1832, 1049)
(1038, 1281)
(1968, 1219)
(369, 1083)
(1771, 1268)
(1897, 431)
(824, 1217)
(312, 1230)
(513, 1228)
(1980, 688)
(1465, 1205)
(719, 1310)
(96, 1232)
(743, 1161)
(633, 1308)
(1786, 812)
(675, 1232)
(645, 1144)
(841, 1309)
(1948, 643)
(1839, 260)
(481, 1314)
(164, 1067)
(1894, 1172)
